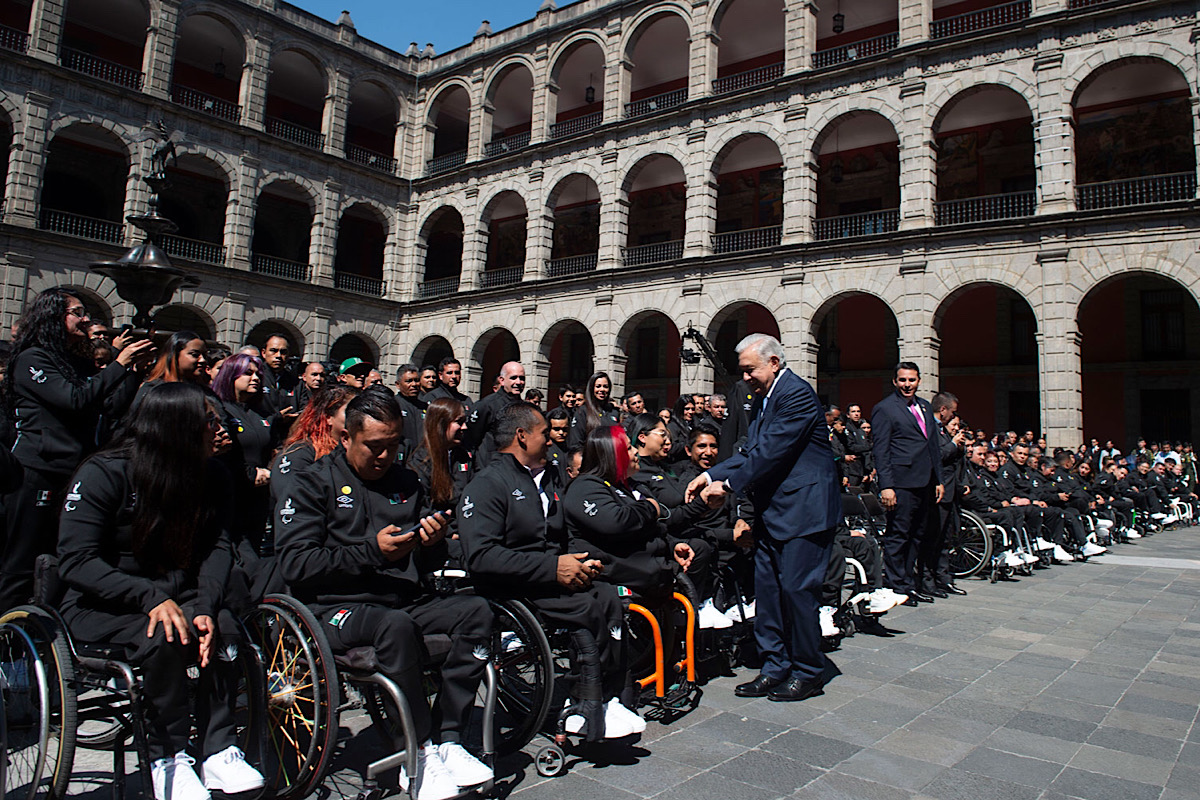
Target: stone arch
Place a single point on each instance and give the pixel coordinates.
(495, 347)
(225, 83)
(570, 356)
(960, 86)
(118, 132)
(568, 45)
(435, 93)
(385, 214)
(1100, 61)
(186, 316)
(971, 280)
(854, 356)
(652, 365)
(311, 193)
(432, 349)
(637, 26)
(500, 69)
(731, 138)
(558, 179)
(12, 110)
(303, 48)
(732, 323)
(638, 161)
(98, 306)
(86, 171)
(355, 344)
(829, 121)
(261, 324)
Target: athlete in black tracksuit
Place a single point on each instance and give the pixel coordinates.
(512, 530)
(111, 594)
(481, 423)
(57, 419)
(255, 438)
(1029, 483)
(328, 552)
(664, 484)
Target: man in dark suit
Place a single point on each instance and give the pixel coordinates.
(786, 469)
(933, 560)
(908, 464)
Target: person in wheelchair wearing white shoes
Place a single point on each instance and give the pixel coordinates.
(356, 540)
(863, 548)
(512, 528)
(144, 549)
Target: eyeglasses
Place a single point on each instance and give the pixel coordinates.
(213, 421)
(78, 311)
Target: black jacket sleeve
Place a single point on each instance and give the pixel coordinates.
(481, 529)
(214, 570)
(596, 512)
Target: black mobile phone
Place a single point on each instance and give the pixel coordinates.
(446, 515)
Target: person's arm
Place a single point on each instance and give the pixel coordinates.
(881, 433)
(794, 416)
(482, 519)
(38, 377)
(213, 577)
(597, 512)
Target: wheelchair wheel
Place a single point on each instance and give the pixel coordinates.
(970, 547)
(40, 704)
(302, 695)
(525, 668)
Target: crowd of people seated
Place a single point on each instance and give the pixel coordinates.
(179, 481)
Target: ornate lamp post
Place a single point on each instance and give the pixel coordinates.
(144, 276)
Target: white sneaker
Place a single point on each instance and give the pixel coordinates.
(1158, 515)
(882, 600)
(1011, 559)
(174, 779)
(615, 726)
(900, 598)
(466, 769)
(435, 781)
(614, 709)
(1104, 523)
(740, 613)
(228, 772)
(1132, 534)
(1170, 519)
(828, 628)
(709, 617)
(1092, 549)
(1042, 544)
(1060, 554)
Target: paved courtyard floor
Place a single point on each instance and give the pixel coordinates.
(1082, 681)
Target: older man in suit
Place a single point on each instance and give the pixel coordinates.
(908, 463)
(786, 469)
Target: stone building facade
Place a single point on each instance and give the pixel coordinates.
(1004, 193)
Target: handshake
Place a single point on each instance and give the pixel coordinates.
(711, 493)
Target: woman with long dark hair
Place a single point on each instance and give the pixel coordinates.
(183, 359)
(57, 400)
(596, 411)
(441, 461)
(255, 437)
(144, 548)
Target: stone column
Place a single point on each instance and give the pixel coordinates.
(703, 58)
(256, 73)
(231, 328)
(479, 114)
(137, 193)
(317, 338)
(475, 237)
(539, 240)
(1053, 126)
(158, 52)
(539, 122)
(800, 35)
(915, 16)
(46, 18)
(322, 244)
(1059, 341)
(239, 214)
(799, 179)
(918, 163)
(26, 160)
(917, 340)
(548, 104)
(700, 211)
(336, 111)
(614, 214)
(618, 75)
(487, 116)
(16, 287)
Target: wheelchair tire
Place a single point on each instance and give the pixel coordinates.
(970, 547)
(57, 689)
(525, 670)
(302, 696)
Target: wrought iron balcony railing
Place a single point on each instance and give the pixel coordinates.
(560, 130)
(506, 144)
(103, 69)
(13, 39)
(652, 105)
(297, 134)
(658, 253)
(445, 163)
(507, 276)
(571, 265)
(751, 239)
(1136, 191)
(856, 50)
(194, 249)
(359, 284)
(748, 79)
(101, 230)
(868, 224)
(205, 103)
(439, 287)
(985, 208)
(980, 20)
(369, 158)
(281, 268)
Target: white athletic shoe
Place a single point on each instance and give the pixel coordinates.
(708, 616)
(1011, 559)
(1104, 523)
(1028, 558)
(1060, 554)
(174, 779)
(742, 613)
(1132, 534)
(1042, 544)
(1092, 549)
(435, 781)
(900, 598)
(614, 710)
(464, 768)
(615, 726)
(883, 600)
(1158, 515)
(1170, 519)
(828, 627)
(228, 772)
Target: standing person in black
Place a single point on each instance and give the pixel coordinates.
(144, 538)
(559, 420)
(280, 388)
(742, 407)
(408, 390)
(312, 380)
(443, 464)
(255, 434)
(933, 560)
(481, 419)
(57, 399)
(513, 533)
(680, 426)
(856, 468)
(449, 377)
(357, 543)
(596, 410)
(909, 465)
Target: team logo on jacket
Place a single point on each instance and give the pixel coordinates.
(287, 512)
(38, 375)
(345, 500)
(397, 499)
(467, 508)
(518, 494)
(481, 652)
(73, 497)
(339, 619)
(589, 508)
(285, 466)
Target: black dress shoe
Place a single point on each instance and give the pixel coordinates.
(911, 601)
(921, 597)
(938, 593)
(953, 590)
(759, 687)
(795, 689)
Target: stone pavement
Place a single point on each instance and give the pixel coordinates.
(1078, 682)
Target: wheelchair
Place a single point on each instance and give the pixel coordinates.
(308, 687)
(971, 547)
(59, 694)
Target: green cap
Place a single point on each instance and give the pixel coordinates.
(354, 365)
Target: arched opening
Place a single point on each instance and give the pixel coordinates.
(657, 191)
(353, 345)
(1133, 136)
(858, 345)
(98, 309)
(83, 190)
(14, 25)
(954, 17)
(579, 101)
(650, 342)
(858, 177)
(177, 317)
(6, 141)
(570, 352)
(450, 118)
(283, 221)
(358, 261)
(1140, 360)
(985, 168)
(505, 218)
(443, 253)
(510, 101)
(264, 330)
(659, 75)
(208, 67)
(296, 99)
(195, 201)
(431, 351)
(371, 126)
(749, 177)
(750, 52)
(849, 31)
(104, 38)
(576, 204)
(732, 324)
(989, 357)
(491, 352)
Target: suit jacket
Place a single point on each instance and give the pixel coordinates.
(952, 459)
(786, 466)
(743, 408)
(904, 457)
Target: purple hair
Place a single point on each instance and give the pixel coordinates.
(233, 368)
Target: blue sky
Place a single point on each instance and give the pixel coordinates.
(448, 23)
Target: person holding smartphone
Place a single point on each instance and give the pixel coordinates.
(355, 540)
